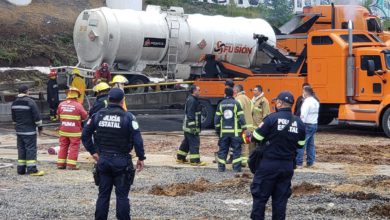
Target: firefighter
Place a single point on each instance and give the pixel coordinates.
(101, 100)
(246, 106)
(120, 81)
(52, 94)
(229, 121)
(25, 115)
(280, 134)
(71, 114)
(102, 74)
(259, 111)
(78, 82)
(191, 127)
(116, 133)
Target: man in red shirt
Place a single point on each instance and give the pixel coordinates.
(71, 114)
(102, 74)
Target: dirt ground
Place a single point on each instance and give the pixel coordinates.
(351, 181)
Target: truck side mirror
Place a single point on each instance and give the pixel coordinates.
(370, 68)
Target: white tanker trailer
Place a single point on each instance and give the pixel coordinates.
(125, 38)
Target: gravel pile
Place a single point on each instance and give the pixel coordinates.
(72, 195)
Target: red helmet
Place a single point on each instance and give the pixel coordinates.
(53, 73)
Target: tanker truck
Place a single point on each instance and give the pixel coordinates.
(126, 38)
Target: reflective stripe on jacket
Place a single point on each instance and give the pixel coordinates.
(71, 114)
(192, 117)
(229, 117)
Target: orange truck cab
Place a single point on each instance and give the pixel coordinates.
(292, 36)
(351, 82)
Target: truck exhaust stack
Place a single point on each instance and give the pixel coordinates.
(350, 65)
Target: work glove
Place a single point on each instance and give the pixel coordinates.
(246, 136)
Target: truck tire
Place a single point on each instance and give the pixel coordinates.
(325, 120)
(208, 112)
(137, 79)
(386, 122)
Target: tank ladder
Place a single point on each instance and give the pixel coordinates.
(173, 46)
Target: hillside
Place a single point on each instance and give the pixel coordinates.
(41, 33)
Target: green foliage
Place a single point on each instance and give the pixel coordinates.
(8, 55)
(386, 24)
(276, 12)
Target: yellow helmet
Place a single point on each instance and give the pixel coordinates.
(76, 71)
(73, 93)
(119, 79)
(101, 87)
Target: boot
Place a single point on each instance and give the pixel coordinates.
(221, 167)
(200, 163)
(21, 169)
(33, 171)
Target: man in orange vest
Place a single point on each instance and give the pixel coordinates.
(71, 114)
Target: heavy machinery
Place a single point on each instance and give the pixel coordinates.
(349, 71)
(292, 36)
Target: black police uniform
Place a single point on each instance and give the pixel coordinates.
(116, 133)
(229, 120)
(52, 97)
(275, 170)
(191, 128)
(25, 114)
(100, 102)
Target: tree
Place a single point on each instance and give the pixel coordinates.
(278, 11)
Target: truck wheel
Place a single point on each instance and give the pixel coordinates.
(208, 112)
(134, 80)
(325, 120)
(386, 122)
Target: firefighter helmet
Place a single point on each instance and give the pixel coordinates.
(53, 73)
(119, 79)
(101, 87)
(76, 71)
(73, 93)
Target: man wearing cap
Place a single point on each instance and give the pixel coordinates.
(116, 132)
(52, 94)
(71, 114)
(280, 135)
(25, 115)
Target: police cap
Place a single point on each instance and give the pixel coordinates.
(286, 96)
(23, 89)
(229, 83)
(115, 95)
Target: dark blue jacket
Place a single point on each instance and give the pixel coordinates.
(100, 102)
(117, 131)
(25, 114)
(279, 146)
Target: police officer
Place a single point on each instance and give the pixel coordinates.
(117, 131)
(101, 100)
(280, 134)
(25, 115)
(191, 128)
(229, 121)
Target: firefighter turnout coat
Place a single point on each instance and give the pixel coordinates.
(71, 114)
